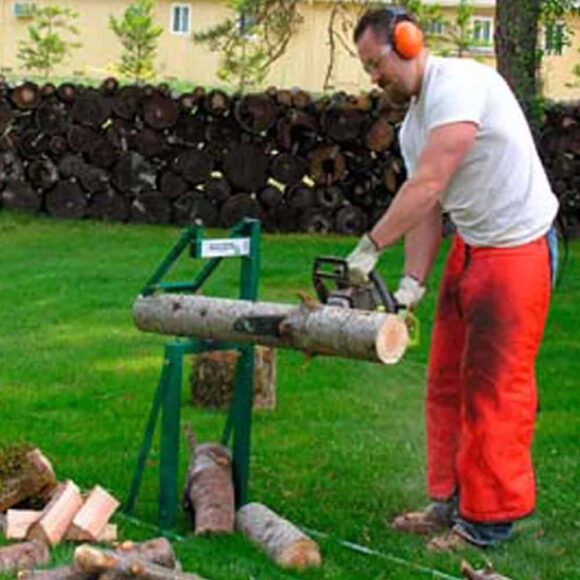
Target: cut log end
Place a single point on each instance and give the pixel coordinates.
(300, 555)
(392, 340)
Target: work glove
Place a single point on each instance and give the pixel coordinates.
(361, 261)
(409, 293)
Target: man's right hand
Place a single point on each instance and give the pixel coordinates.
(410, 292)
(362, 260)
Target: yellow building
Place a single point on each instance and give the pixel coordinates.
(303, 65)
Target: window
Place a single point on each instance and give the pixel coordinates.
(434, 27)
(483, 31)
(180, 19)
(554, 38)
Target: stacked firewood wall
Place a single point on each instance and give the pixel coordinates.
(142, 154)
(560, 149)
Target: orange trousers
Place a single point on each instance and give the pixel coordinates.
(481, 388)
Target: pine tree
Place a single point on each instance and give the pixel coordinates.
(47, 46)
(139, 36)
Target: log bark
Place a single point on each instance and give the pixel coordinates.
(91, 519)
(288, 546)
(314, 329)
(116, 565)
(20, 195)
(18, 522)
(157, 551)
(237, 207)
(213, 378)
(209, 489)
(26, 96)
(246, 167)
(57, 515)
(31, 477)
(67, 200)
(60, 573)
(23, 555)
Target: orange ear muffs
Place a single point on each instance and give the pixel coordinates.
(407, 39)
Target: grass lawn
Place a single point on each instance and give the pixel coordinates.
(344, 450)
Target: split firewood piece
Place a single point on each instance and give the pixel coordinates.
(109, 534)
(110, 565)
(24, 474)
(280, 539)
(18, 522)
(209, 491)
(486, 573)
(157, 551)
(60, 573)
(58, 514)
(90, 521)
(23, 555)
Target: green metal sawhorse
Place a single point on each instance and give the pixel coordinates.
(243, 243)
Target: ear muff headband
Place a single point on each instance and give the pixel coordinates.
(407, 37)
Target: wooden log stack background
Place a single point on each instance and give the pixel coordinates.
(142, 154)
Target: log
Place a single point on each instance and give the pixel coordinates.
(52, 116)
(160, 112)
(42, 173)
(60, 573)
(92, 518)
(328, 197)
(327, 165)
(246, 167)
(172, 185)
(343, 124)
(209, 489)
(26, 96)
(23, 555)
(485, 573)
(351, 221)
(299, 196)
(282, 541)
(213, 378)
(315, 329)
(91, 109)
(24, 474)
(67, 200)
(189, 130)
(194, 165)
(19, 195)
(217, 103)
(67, 93)
(288, 169)
(18, 522)
(217, 189)
(157, 551)
(271, 196)
(317, 222)
(150, 207)
(150, 143)
(32, 143)
(255, 113)
(194, 208)
(57, 515)
(91, 560)
(125, 103)
(237, 207)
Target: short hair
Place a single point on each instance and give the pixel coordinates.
(382, 22)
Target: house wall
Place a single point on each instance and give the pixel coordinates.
(304, 64)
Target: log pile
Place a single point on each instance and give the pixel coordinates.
(36, 507)
(142, 154)
(560, 148)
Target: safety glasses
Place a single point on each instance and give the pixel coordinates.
(373, 65)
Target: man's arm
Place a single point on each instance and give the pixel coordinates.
(421, 245)
(420, 195)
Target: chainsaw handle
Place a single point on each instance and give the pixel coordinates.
(387, 298)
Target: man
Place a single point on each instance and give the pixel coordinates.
(469, 152)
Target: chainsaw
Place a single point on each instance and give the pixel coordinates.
(331, 282)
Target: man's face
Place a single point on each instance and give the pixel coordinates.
(380, 63)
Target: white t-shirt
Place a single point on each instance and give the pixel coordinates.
(499, 195)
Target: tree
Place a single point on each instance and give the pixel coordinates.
(460, 32)
(139, 36)
(518, 53)
(252, 40)
(47, 45)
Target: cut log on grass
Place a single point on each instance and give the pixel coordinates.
(486, 573)
(312, 328)
(280, 539)
(213, 378)
(111, 564)
(23, 555)
(24, 474)
(18, 522)
(209, 491)
(58, 514)
(92, 518)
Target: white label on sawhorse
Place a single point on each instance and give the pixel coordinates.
(225, 248)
